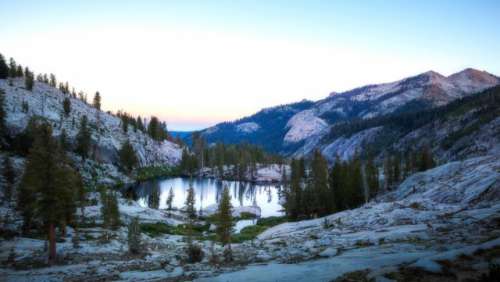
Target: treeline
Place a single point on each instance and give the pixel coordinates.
(242, 159)
(397, 166)
(155, 128)
(313, 189)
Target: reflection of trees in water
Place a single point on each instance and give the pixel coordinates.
(241, 192)
(250, 194)
(269, 194)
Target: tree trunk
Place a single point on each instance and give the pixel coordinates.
(52, 243)
(63, 230)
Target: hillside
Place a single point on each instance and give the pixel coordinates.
(108, 136)
(467, 127)
(298, 132)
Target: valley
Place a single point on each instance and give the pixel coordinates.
(391, 182)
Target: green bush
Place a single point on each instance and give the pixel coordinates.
(248, 233)
(271, 221)
(158, 228)
(152, 172)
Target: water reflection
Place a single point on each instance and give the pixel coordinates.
(208, 192)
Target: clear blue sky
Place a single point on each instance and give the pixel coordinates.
(195, 63)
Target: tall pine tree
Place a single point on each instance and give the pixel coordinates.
(97, 101)
(225, 222)
(4, 69)
(128, 157)
(83, 139)
(48, 176)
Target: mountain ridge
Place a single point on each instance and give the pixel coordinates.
(426, 90)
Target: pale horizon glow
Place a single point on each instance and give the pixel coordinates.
(197, 64)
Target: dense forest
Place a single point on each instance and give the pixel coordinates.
(241, 159)
(313, 189)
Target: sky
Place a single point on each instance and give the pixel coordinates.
(197, 63)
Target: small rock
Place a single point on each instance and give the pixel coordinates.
(262, 256)
(329, 252)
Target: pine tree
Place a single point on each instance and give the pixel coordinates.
(294, 194)
(12, 68)
(67, 106)
(170, 199)
(53, 81)
(154, 128)
(225, 222)
(109, 210)
(134, 236)
(83, 139)
(325, 201)
(372, 178)
(154, 199)
(63, 140)
(3, 116)
(128, 157)
(29, 79)
(396, 168)
(337, 183)
(97, 101)
(388, 173)
(190, 201)
(356, 191)
(9, 176)
(19, 71)
(139, 123)
(426, 161)
(4, 69)
(48, 176)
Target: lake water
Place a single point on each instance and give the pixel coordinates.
(208, 192)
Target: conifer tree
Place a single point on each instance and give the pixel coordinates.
(9, 176)
(154, 128)
(12, 68)
(338, 184)
(225, 222)
(154, 199)
(4, 69)
(140, 125)
(170, 199)
(128, 157)
(372, 178)
(97, 101)
(190, 201)
(48, 176)
(356, 191)
(325, 202)
(83, 139)
(109, 210)
(3, 116)
(388, 173)
(53, 81)
(426, 161)
(63, 140)
(19, 71)
(396, 168)
(67, 106)
(29, 79)
(134, 236)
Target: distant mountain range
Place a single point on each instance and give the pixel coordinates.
(297, 129)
